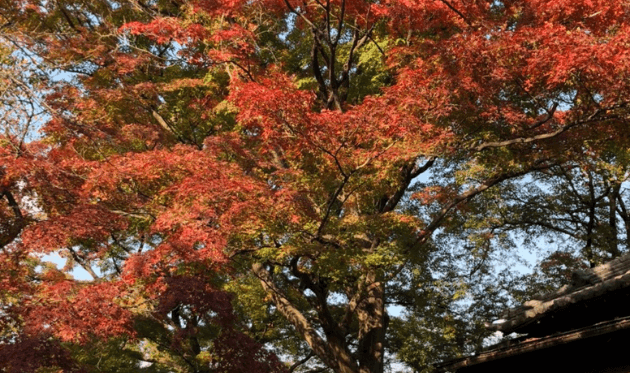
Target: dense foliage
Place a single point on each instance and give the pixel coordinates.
(293, 186)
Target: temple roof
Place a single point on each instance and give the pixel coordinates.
(512, 352)
(589, 316)
(586, 285)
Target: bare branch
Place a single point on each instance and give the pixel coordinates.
(547, 118)
(470, 193)
(331, 202)
(340, 23)
(301, 362)
(451, 7)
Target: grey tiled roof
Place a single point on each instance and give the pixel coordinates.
(586, 284)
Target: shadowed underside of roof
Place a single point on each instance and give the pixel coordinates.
(510, 351)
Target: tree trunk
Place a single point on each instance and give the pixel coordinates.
(373, 320)
(612, 221)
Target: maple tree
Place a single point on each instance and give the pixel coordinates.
(251, 179)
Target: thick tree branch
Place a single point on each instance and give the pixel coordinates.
(12, 204)
(293, 315)
(591, 221)
(81, 261)
(323, 90)
(319, 287)
(16, 228)
(623, 212)
(408, 175)
(357, 43)
(353, 304)
(524, 140)
(544, 136)
(168, 128)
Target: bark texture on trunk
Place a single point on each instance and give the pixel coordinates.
(373, 321)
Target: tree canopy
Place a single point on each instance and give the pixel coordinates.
(254, 186)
